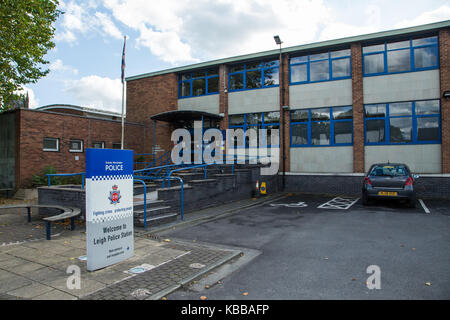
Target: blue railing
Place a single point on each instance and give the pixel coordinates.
(82, 174)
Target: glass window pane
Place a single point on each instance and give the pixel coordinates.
(299, 73)
(268, 134)
(400, 129)
(400, 109)
(253, 79)
(75, 145)
(270, 117)
(299, 115)
(375, 48)
(342, 113)
(428, 129)
(198, 87)
(253, 118)
(375, 131)
(299, 59)
(236, 81)
(186, 76)
(340, 68)
(343, 132)
(320, 133)
(319, 56)
(185, 89)
(213, 72)
(271, 77)
(320, 70)
(340, 53)
(374, 63)
(398, 45)
(425, 41)
(213, 84)
(427, 107)
(252, 65)
(299, 134)
(426, 57)
(399, 60)
(236, 120)
(236, 68)
(375, 111)
(198, 74)
(270, 64)
(320, 114)
(50, 144)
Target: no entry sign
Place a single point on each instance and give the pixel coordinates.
(109, 207)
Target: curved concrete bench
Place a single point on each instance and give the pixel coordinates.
(67, 213)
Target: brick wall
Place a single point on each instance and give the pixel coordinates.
(147, 97)
(444, 65)
(36, 125)
(358, 108)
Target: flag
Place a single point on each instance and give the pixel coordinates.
(123, 59)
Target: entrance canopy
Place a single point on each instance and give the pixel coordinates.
(183, 116)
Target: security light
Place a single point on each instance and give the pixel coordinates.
(278, 40)
(446, 94)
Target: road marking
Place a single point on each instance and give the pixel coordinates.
(424, 206)
(289, 205)
(339, 203)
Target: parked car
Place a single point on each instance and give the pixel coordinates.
(389, 181)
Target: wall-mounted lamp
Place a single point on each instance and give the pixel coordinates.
(446, 94)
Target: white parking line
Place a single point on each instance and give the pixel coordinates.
(424, 206)
(339, 203)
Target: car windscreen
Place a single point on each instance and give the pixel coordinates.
(389, 171)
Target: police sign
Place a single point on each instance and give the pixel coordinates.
(109, 207)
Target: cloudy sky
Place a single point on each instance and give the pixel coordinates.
(85, 64)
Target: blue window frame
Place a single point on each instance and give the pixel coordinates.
(331, 126)
(401, 56)
(254, 75)
(265, 120)
(198, 83)
(331, 65)
(410, 122)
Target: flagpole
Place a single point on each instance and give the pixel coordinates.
(123, 92)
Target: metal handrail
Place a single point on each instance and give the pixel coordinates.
(145, 201)
(205, 165)
(49, 175)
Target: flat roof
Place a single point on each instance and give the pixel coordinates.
(79, 108)
(312, 46)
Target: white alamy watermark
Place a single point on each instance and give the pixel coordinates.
(374, 280)
(252, 146)
(74, 280)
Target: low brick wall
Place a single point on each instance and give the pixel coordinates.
(69, 196)
(437, 187)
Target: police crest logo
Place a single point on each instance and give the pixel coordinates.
(114, 195)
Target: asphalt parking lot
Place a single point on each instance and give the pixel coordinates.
(319, 247)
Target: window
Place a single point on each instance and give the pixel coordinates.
(322, 127)
(267, 120)
(117, 145)
(401, 56)
(332, 65)
(412, 122)
(51, 144)
(75, 145)
(254, 75)
(98, 145)
(198, 83)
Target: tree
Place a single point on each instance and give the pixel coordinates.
(26, 33)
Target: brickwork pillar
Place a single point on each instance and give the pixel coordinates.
(358, 108)
(444, 75)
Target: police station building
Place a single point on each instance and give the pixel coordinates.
(341, 105)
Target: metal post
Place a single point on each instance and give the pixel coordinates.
(154, 142)
(282, 122)
(48, 229)
(29, 214)
(72, 223)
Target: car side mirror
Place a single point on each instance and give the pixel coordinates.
(416, 176)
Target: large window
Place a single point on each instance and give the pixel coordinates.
(412, 122)
(51, 144)
(332, 65)
(401, 56)
(322, 127)
(254, 75)
(266, 120)
(198, 83)
(75, 145)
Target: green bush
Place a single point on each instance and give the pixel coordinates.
(42, 180)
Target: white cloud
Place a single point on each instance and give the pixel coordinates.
(96, 92)
(107, 25)
(440, 14)
(59, 66)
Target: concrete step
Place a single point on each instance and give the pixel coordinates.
(153, 212)
(139, 205)
(159, 220)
